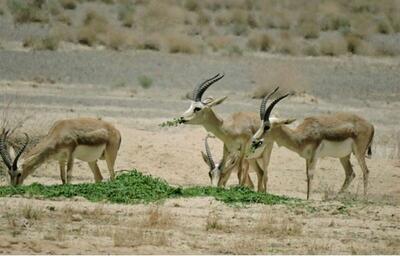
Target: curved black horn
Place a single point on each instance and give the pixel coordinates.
(202, 87)
(19, 153)
(208, 152)
(264, 102)
(272, 105)
(3, 150)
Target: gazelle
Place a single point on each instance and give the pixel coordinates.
(235, 131)
(216, 169)
(335, 135)
(86, 139)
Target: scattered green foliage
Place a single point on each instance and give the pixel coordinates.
(134, 187)
(175, 122)
(145, 81)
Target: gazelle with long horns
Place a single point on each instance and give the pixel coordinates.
(235, 132)
(86, 139)
(335, 135)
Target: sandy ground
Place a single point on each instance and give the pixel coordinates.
(203, 225)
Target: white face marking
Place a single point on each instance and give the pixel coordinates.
(215, 175)
(195, 107)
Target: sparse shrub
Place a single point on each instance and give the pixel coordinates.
(311, 50)
(234, 50)
(30, 213)
(49, 42)
(87, 36)
(192, 5)
(356, 45)
(25, 12)
(287, 44)
(145, 81)
(384, 26)
(125, 14)
(239, 29)
(332, 45)
(203, 18)
(150, 43)
(219, 42)
(309, 30)
(68, 4)
(95, 21)
(260, 42)
(64, 19)
(334, 22)
(181, 44)
(116, 40)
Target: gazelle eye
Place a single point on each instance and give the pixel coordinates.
(266, 128)
(19, 175)
(196, 109)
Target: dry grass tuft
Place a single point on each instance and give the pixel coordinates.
(181, 44)
(31, 213)
(260, 42)
(287, 77)
(27, 11)
(68, 4)
(287, 226)
(49, 42)
(125, 14)
(158, 218)
(219, 42)
(213, 222)
(332, 45)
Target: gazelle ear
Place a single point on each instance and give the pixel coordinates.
(205, 158)
(216, 102)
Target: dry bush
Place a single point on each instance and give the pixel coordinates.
(95, 21)
(123, 237)
(27, 11)
(31, 213)
(159, 16)
(309, 30)
(151, 42)
(260, 42)
(203, 18)
(125, 14)
(219, 42)
(278, 20)
(181, 44)
(286, 44)
(356, 45)
(384, 26)
(192, 5)
(287, 77)
(311, 50)
(64, 19)
(158, 218)
(213, 222)
(87, 36)
(68, 4)
(283, 227)
(334, 22)
(49, 42)
(332, 45)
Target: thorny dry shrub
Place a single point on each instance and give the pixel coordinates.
(282, 227)
(359, 46)
(332, 45)
(260, 42)
(181, 44)
(287, 77)
(48, 42)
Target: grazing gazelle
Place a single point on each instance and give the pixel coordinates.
(216, 169)
(335, 135)
(86, 139)
(235, 131)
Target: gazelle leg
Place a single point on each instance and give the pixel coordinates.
(70, 165)
(62, 171)
(348, 169)
(225, 176)
(245, 177)
(361, 161)
(266, 159)
(96, 171)
(310, 166)
(260, 174)
(111, 155)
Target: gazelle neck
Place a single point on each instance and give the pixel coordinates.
(214, 124)
(284, 136)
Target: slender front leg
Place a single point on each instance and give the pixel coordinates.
(266, 158)
(70, 165)
(310, 166)
(62, 171)
(260, 174)
(96, 171)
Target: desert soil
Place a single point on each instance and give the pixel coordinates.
(47, 86)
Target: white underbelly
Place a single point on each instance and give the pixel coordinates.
(336, 149)
(88, 153)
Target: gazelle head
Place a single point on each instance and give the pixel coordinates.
(215, 172)
(257, 142)
(200, 108)
(16, 177)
